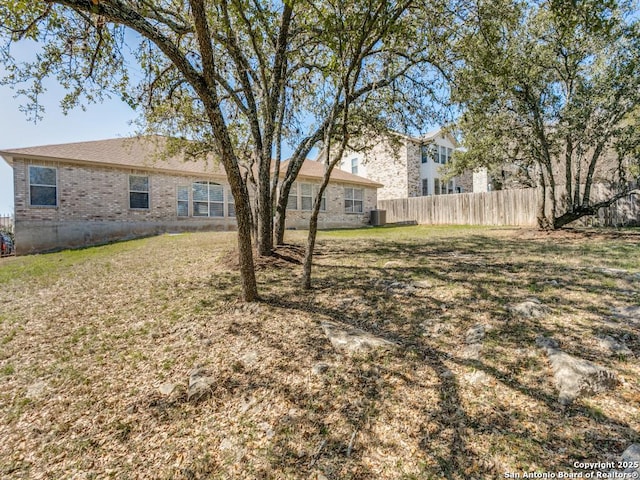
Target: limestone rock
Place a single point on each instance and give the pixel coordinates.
(200, 384)
(167, 388)
(36, 390)
(422, 284)
(576, 377)
(249, 358)
(613, 272)
(472, 352)
(393, 264)
(397, 287)
(477, 378)
(530, 308)
(630, 313)
(631, 457)
(320, 368)
(614, 347)
(351, 340)
(475, 334)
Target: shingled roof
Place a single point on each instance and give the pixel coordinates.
(136, 152)
(149, 153)
(315, 170)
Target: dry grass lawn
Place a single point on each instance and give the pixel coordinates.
(92, 341)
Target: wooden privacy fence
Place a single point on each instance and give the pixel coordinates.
(503, 207)
(6, 222)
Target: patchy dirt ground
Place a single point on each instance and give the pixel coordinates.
(97, 347)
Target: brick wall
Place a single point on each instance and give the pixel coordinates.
(335, 216)
(387, 165)
(93, 208)
(99, 193)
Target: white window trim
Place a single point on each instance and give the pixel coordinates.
(316, 189)
(230, 201)
(293, 192)
(353, 200)
(208, 201)
(355, 163)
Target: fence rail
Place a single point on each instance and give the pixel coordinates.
(6, 222)
(504, 207)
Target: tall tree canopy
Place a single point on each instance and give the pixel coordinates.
(236, 77)
(552, 87)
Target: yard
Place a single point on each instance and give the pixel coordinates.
(98, 346)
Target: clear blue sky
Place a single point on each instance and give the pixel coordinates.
(107, 120)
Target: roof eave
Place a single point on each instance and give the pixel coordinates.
(7, 157)
(75, 161)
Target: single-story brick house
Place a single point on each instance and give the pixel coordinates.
(87, 193)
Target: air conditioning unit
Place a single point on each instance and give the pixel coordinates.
(378, 218)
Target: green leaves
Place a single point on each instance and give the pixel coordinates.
(550, 85)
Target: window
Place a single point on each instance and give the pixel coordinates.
(436, 186)
(231, 204)
(43, 187)
(443, 154)
(450, 189)
(208, 199)
(429, 152)
(353, 200)
(323, 200)
(354, 166)
(292, 201)
(183, 201)
(138, 192)
(425, 186)
(306, 196)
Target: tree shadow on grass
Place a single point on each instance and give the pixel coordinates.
(460, 460)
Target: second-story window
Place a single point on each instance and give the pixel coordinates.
(354, 166)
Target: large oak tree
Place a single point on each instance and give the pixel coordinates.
(552, 88)
(235, 77)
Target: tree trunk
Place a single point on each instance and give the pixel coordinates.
(542, 218)
(207, 91)
(265, 215)
(279, 227)
(245, 250)
(311, 243)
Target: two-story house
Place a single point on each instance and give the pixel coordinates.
(407, 166)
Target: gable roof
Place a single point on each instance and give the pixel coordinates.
(135, 152)
(149, 153)
(315, 171)
(429, 137)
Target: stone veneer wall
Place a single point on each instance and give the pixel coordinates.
(414, 160)
(387, 165)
